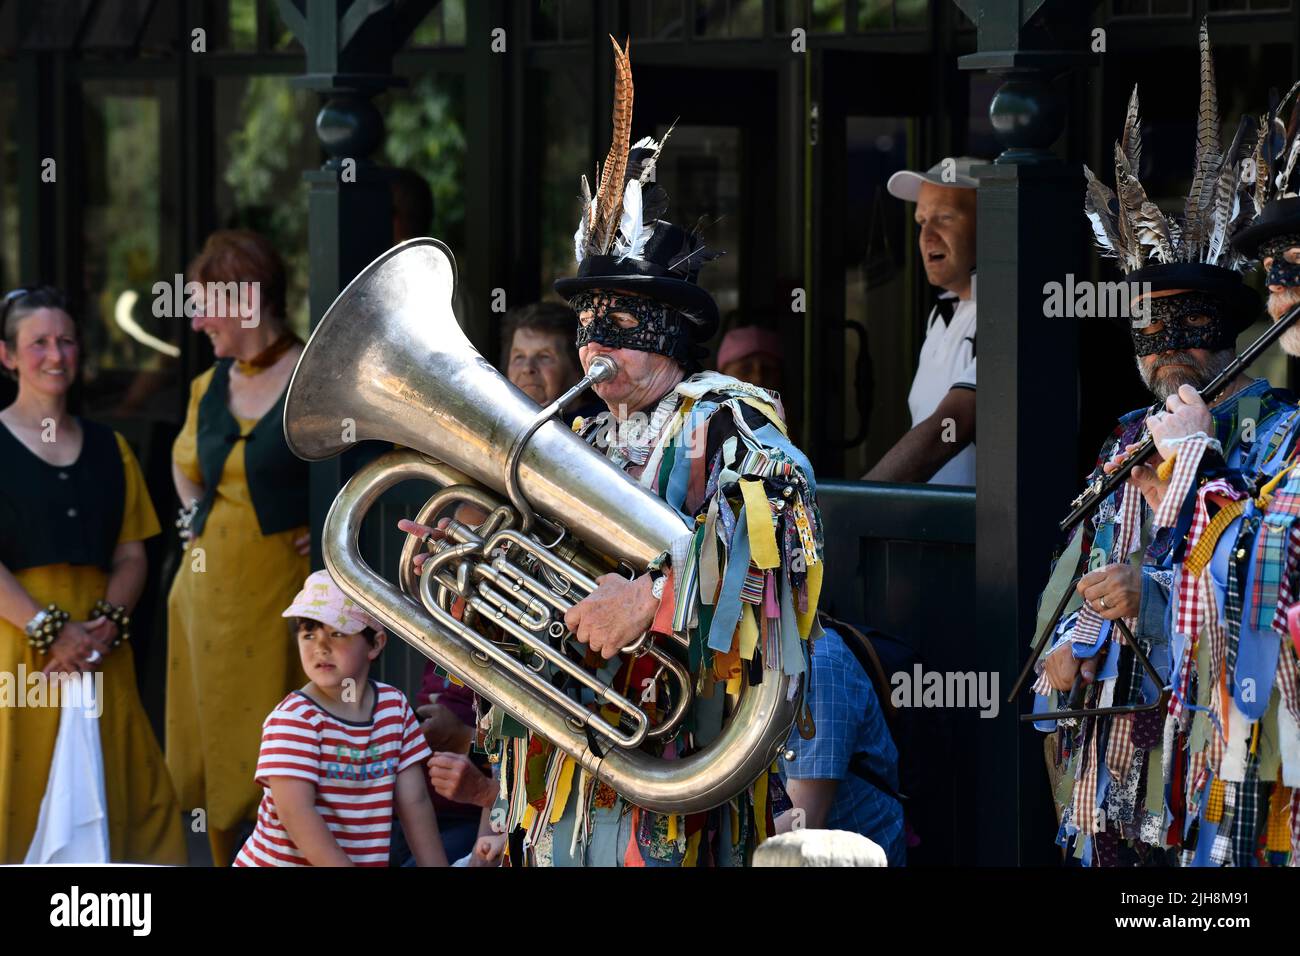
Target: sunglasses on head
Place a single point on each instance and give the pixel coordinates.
(8, 302)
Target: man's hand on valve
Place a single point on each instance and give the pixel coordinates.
(466, 514)
(614, 615)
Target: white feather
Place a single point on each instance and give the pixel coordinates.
(579, 237)
(1103, 240)
(1220, 233)
(645, 142)
(1290, 162)
(632, 233)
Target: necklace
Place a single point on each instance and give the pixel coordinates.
(264, 359)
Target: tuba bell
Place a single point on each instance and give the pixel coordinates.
(389, 362)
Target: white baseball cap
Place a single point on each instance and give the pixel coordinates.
(954, 172)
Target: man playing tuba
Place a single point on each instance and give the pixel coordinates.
(742, 585)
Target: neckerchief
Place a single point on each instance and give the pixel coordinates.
(631, 441)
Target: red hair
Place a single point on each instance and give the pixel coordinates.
(241, 255)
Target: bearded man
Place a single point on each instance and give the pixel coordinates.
(1234, 715)
(1191, 304)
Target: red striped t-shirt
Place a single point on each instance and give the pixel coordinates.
(354, 766)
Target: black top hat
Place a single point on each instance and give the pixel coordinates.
(1241, 303)
(666, 271)
(623, 243)
(1277, 218)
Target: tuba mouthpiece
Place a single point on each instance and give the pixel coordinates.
(602, 369)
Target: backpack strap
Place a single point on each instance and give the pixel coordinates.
(862, 649)
(869, 660)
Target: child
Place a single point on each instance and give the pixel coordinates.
(335, 753)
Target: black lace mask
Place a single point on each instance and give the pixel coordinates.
(1176, 335)
(658, 328)
(1281, 272)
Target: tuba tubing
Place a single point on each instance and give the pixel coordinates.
(750, 739)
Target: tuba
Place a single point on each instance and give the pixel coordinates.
(389, 362)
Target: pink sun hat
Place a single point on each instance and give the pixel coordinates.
(322, 600)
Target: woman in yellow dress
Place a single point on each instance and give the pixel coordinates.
(246, 550)
(74, 513)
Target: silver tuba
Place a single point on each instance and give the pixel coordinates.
(389, 362)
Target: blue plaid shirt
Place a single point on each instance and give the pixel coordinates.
(849, 720)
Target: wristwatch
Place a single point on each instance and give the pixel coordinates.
(658, 580)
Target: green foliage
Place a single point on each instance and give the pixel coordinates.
(425, 133)
(243, 24)
(263, 157)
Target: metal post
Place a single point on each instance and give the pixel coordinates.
(1029, 228)
(349, 48)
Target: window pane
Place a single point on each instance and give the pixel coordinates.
(129, 352)
(430, 31)
(1129, 8)
(9, 264)
(455, 28)
(264, 142)
(1171, 7)
(426, 134)
(729, 18)
(911, 13)
(656, 19)
(577, 19)
(875, 15)
(545, 21)
(828, 16)
(791, 14)
(115, 25)
(160, 35)
(444, 25)
(700, 169)
(243, 24)
(282, 38)
(877, 244)
(566, 155)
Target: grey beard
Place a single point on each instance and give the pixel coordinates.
(1164, 386)
(1279, 303)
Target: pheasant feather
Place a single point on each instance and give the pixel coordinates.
(1131, 139)
(609, 195)
(1208, 151)
(1224, 195)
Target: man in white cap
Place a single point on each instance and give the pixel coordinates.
(940, 447)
